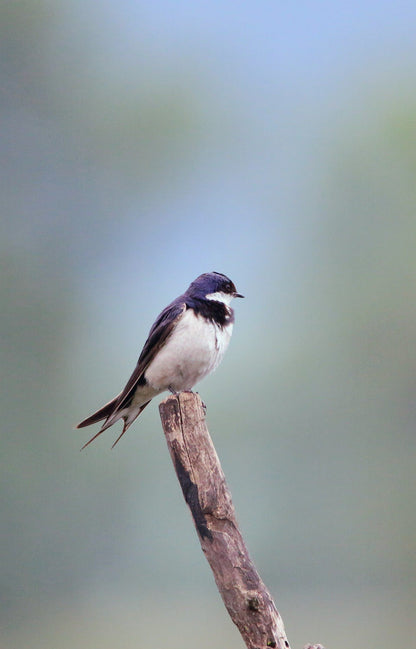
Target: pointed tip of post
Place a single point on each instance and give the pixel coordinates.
(182, 397)
(191, 401)
(170, 403)
(176, 405)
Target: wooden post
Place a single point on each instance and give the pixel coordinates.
(205, 490)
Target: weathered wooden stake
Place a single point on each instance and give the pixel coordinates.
(205, 490)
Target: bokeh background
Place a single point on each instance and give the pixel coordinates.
(143, 144)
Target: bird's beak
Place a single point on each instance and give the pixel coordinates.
(238, 295)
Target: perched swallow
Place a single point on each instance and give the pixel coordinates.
(186, 343)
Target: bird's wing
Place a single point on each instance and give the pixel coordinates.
(158, 335)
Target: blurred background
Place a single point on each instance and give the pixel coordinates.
(141, 145)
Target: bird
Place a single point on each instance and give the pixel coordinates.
(186, 343)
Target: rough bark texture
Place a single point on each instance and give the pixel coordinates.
(205, 490)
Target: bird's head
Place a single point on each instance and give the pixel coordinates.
(213, 286)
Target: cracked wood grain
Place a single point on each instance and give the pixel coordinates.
(205, 490)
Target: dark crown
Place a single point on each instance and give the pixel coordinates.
(212, 283)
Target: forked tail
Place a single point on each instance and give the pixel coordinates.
(102, 413)
(110, 413)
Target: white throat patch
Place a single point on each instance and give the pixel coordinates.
(219, 296)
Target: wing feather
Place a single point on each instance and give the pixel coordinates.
(158, 336)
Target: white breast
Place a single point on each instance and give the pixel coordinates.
(195, 349)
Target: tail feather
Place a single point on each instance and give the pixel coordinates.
(110, 417)
(128, 423)
(102, 413)
(95, 437)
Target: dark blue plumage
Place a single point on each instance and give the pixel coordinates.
(186, 342)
